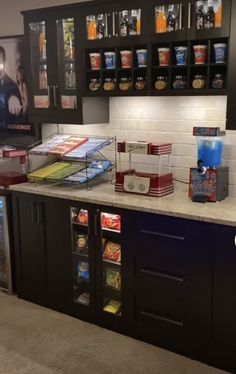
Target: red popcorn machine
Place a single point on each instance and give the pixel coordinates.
(156, 184)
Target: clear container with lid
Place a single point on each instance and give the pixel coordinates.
(140, 83)
(199, 81)
(94, 84)
(161, 82)
(125, 83)
(180, 82)
(109, 84)
(70, 77)
(218, 81)
(210, 150)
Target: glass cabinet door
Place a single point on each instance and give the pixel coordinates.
(111, 263)
(39, 64)
(64, 93)
(97, 26)
(81, 257)
(5, 271)
(168, 18)
(208, 18)
(122, 23)
(208, 14)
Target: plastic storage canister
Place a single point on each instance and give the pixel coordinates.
(110, 60)
(210, 150)
(164, 56)
(200, 54)
(220, 53)
(181, 55)
(95, 60)
(141, 57)
(126, 59)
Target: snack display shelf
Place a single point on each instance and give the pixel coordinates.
(111, 230)
(81, 280)
(92, 143)
(80, 254)
(109, 262)
(112, 293)
(75, 159)
(79, 224)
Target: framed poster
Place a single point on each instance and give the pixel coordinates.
(13, 91)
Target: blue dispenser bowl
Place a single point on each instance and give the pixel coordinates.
(210, 150)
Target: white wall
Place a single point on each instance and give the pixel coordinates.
(11, 20)
(160, 120)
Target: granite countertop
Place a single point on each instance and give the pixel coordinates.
(177, 204)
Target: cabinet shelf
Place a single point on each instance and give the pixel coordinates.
(80, 254)
(76, 224)
(186, 92)
(108, 262)
(112, 293)
(111, 230)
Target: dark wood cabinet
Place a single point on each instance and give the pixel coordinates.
(69, 259)
(30, 248)
(61, 40)
(167, 280)
(224, 298)
(173, 283)
(41, 250)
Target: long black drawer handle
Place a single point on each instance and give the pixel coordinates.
(164, 319)
(162, 234)
(162, 275)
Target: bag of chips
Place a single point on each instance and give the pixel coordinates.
(113, 307)
(83, 270)
(81, 243)
(112, 252)
(113, 278)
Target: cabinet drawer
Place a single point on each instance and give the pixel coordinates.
(163, 295)
(178, 228)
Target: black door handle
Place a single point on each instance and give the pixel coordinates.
(33, 212)
(40, 212)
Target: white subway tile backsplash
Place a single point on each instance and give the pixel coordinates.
(166, 119)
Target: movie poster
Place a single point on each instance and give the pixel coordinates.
(13, 87)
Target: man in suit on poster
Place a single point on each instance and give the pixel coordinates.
(10, 100)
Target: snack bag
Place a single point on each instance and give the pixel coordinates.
(112, 252)
(113, 278)
(111, 221)
(83, 270)
(81, 243)
(113, 307)
(84, 298)
(82, 217)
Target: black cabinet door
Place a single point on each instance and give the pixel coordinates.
(167, 20)
(30, 248)
(224, 298)
(173, 283)
(52, 63)
(57, 232)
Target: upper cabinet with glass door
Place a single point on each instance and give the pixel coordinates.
(53, 91)
(208, 19)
